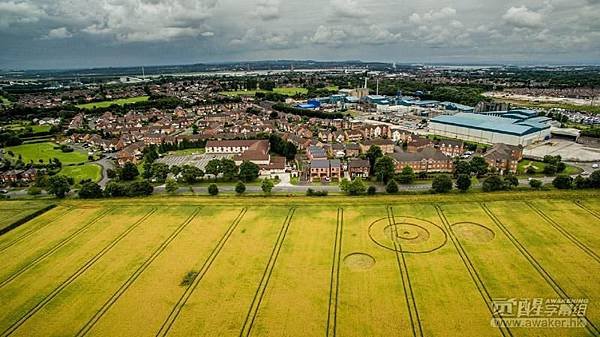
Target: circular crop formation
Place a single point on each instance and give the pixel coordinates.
(359, 261)
(473, 232)
(407, 234)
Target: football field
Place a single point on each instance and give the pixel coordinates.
(388, 266)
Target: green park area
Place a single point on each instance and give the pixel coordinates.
(120, 101)
(291, 91)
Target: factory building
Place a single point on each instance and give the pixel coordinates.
(513, 128)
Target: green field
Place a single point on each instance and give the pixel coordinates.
(44, 151)
(283, 91)
(120, 101)
(339, 266)
(80, 172)
(13, 211)
(539, 167)
(34, 127)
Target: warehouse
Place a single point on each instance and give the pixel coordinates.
(488, 129)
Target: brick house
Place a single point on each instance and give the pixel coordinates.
(325, 169)
(504, 158)
(427, 159)
(359, 168)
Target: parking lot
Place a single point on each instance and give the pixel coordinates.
(568, 150)
(198, 160)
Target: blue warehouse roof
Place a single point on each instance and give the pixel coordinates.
(492, 123)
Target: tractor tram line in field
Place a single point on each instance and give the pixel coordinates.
(587, 209)
(564, 232)
(413, 312)
(264, 282)
(52, 250)
(479, 284)
(334, 287)
(174, 314)
(108, 304)
(537, 266)
(75, 275)
(35, 229)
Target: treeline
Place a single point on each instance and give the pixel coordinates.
(591, 132)
(306, 113)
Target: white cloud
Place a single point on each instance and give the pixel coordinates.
(19, 12)
(522, 17)
(353, 35)
(432, 16)
(267, 9)
(347, 8)
(58, 33)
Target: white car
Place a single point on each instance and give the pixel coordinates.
(595, 165)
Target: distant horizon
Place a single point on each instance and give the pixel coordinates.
(403, 63)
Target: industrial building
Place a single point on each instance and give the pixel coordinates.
(513, 128)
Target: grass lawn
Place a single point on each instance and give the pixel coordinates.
(185, 152)
(44, 151)
(120, 101)
(80, 172)
(35, 128)
(539, 167)
(286, 266)
(283, 91)
(5, 101)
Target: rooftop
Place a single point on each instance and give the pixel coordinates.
(492, 123)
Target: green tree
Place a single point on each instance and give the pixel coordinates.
(442, 183)
(345, 185)
(128, 172)
(248, 171)
(267, 186)
(90, 190)
(357, 187)
(228, 169)
(371, 190)
(58, 185)
(384, 168)
(463, 182)
(191, 174)
(595, 179)
(462, 167)
(213, 189)
(536, 184)
(171, 185)
(240, 188)
(160, 171)
(406, 176)
(213, 167)
(511, 181)
(391, 187)
(374, 153)
(493, 183)
(140, 188)
(479, 166)
(563, 182)
(115, 189)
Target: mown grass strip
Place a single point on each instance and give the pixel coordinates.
(334, 287)
(33, 230)
(483, 291)
(564, 232)
(538, 267)
(264, 282)
(409, 295)
(74, 276)
(25, 219)
(53, 249)
(168, 323)
(108, 304)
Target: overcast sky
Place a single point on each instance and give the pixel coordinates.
(94, 33)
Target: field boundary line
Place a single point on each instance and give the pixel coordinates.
(33, 230)
(23, 220)
(411, 303)
(174, 314)
(264, 282)
(587, 209)
(537, 266)
(53, 250)
(75, 275)
(564, 232)
(133, 277)
(334, 286)
(479, 284)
